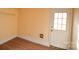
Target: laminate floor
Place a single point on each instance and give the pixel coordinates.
(22, 44)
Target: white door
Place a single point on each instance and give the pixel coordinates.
(61, 25)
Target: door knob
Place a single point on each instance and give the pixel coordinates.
(51, 30)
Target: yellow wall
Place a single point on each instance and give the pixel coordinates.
(8, 22)
(33, 22)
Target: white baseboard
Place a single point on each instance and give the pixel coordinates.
(74, 47)
(60, 45)
(2, 41)
(43, 42)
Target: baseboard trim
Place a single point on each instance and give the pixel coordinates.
(34, 40)
(43, 42)
(58, 44)
(74, 46)
(2, 41)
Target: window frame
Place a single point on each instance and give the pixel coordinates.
(57, 23)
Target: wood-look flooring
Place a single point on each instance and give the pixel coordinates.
(22, 44)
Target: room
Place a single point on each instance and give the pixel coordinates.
(39, 28)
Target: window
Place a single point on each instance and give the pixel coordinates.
(60, 21)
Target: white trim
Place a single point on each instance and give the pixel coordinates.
(43, 42)
(73, 47)
(40, 41)
(2, 41)
(62, 45)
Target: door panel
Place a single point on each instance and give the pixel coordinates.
(61, 25)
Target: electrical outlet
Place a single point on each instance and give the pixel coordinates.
(41, 36)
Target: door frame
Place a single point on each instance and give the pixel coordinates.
(50, 24)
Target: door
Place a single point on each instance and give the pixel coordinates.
(61, 25)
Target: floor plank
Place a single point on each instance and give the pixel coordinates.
(22, 44)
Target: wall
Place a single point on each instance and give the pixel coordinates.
(75, 28)
(8, 24)
(33, 22)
